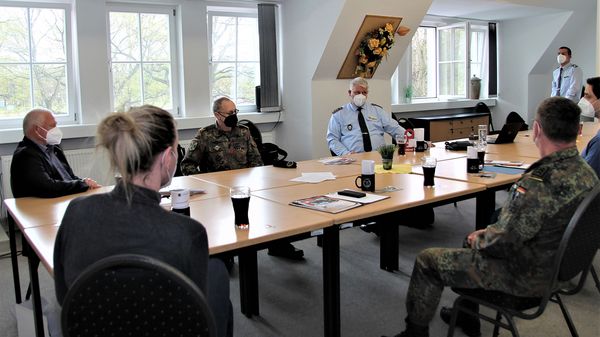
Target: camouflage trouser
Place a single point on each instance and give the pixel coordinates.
(436, 268)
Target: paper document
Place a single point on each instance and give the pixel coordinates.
(314, 177)
(337, 161)
(324, 203)
(507, 163)
(369, 198)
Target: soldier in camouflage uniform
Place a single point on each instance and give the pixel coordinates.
(222, 146)
(515, 255)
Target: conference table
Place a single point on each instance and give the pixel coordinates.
(272, 218)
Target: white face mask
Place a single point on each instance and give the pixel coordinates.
(359, 100)
(53, 136)
(560, 58)
(172, 174)
(587, 109)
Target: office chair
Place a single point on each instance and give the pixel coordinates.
(514, 117)
(483, 108)
(573, 257)
(135, 295)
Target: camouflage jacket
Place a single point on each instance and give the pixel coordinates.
(213, 149)
(537, 211)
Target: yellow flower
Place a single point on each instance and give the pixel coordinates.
(382, 41)
(373, 43)
(389, 27)
(377, 51)
(384, 52)
(371, 64)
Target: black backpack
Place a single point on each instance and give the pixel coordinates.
(270, 153)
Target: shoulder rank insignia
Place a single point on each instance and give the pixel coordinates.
(377, 105)
(338, 109)
(539, 174)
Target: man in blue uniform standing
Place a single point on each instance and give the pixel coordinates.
(566, 79)
(359, 126)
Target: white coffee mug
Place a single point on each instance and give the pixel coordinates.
(420, 134)
(368, 167)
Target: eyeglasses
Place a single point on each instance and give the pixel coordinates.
(230, 113)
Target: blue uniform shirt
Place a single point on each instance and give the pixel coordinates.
(344, 135)
(591, 153)
(571, 84)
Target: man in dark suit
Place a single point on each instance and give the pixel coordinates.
(39, 167)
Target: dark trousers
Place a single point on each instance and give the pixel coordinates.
(218, 297)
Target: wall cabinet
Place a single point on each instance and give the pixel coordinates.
(448, 127)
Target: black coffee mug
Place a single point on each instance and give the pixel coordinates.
(367, 182)
(472, 165)
(421, 146)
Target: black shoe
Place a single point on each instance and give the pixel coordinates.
(469, 324)
(286, 250)
(371, 228)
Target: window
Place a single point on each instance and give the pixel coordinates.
(438, 61)
(234, 56)
(143, 57)
(35, 62)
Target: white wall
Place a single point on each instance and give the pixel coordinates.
(311, 90)
(527, 56)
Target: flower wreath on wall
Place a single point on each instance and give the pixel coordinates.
(372, 49)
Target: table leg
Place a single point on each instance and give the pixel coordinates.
(34, 261)
(389, 247)
(485, 203)
(331, 281)
(13, 257)
(248, 267)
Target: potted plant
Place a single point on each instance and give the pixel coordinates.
(387, 155)
(408, 93)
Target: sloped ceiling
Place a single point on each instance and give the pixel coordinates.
(498, 10)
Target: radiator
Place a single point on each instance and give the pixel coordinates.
(84, 162)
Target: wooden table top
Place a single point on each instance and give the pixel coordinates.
(41, 239)
(411, 193)
(457, 170)
(413, 158)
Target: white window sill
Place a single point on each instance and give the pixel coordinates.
(8, 136)
(437, 104)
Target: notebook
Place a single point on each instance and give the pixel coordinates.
(507, 134)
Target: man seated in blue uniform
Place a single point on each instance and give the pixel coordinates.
(590, 104)
(567, 78)
(39, 167)
(359, 126)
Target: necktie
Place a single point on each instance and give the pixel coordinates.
(559, 81)
(364, 130)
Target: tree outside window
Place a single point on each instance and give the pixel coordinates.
(33, 61)
(141, 60)
(234, 57)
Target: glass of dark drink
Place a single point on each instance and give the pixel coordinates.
(401, 142)
(240, 198)
(428, 164)
(481, 155)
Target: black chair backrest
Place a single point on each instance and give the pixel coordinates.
(269, 152)
(581, 239)
(180, 155)
(135, 295)
(254, 131)
(514, 117)
(483, 108)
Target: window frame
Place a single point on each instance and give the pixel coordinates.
(171, 12)
(72, 99)
(399, 82)
(237, 12)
